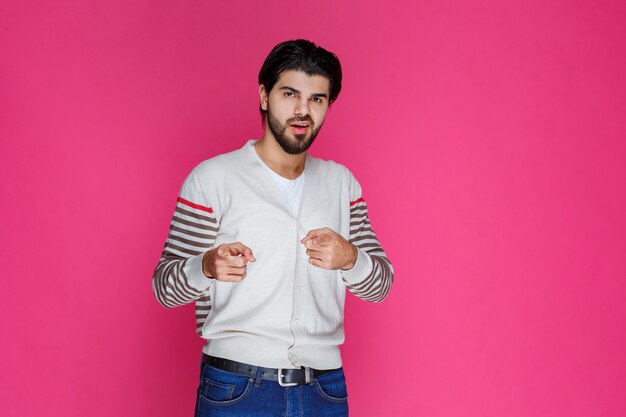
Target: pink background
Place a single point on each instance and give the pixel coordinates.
(489, 140)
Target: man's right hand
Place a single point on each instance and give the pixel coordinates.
(227, 262)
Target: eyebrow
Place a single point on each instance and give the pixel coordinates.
(293, 90)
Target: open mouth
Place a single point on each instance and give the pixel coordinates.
(299, 128)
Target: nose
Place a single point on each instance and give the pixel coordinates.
(302, 107)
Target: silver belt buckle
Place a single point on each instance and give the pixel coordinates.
(285, 384)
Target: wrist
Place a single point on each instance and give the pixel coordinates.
(206, 259)
(354, 253)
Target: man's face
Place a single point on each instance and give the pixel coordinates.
(296, 108)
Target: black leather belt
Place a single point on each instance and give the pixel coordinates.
(285, 377)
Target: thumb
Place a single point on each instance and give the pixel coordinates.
(223, 250)
(247, 252)
(311, 235)
(239, 248)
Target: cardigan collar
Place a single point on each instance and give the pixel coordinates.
(264, 177)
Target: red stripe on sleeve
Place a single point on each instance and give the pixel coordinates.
(194, 205)
(358, 200)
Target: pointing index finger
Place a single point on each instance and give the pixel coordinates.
(312, 234)
(239, 248)
(248, 254)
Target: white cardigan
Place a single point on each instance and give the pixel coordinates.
(286, 313)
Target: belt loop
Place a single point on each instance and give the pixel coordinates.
(259, 376)
(202, 365)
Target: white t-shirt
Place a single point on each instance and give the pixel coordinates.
(292, 189)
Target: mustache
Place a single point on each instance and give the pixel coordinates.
(306, 118)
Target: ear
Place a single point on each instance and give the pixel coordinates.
(263, 96)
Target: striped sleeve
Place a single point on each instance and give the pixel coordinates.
(372, 275)
(178, 278)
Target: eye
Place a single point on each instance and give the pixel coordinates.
(317, 99)
(288, 94)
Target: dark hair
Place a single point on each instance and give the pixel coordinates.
(301, 55)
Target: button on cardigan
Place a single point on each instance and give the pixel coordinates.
(286, 313)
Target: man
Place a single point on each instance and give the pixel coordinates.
(265, 240)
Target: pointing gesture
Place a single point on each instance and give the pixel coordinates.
(227, 262)
(327, 249)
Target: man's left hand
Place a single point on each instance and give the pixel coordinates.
(327, 249)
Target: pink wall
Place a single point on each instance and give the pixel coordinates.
(489, 140)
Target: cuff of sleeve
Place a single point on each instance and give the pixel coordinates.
(361, 269)
(195, 277)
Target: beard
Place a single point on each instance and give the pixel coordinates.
(299, 143)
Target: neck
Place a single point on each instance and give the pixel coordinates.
(284, 164)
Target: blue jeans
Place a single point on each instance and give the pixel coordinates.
(224, 394)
